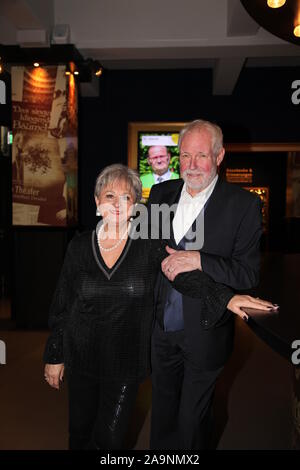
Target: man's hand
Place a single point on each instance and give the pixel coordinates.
(54, 374)
(180, 262)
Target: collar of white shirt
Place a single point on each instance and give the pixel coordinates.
(189, 208)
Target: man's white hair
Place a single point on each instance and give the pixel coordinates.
(197, 126)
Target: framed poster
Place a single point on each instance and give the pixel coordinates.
(44, 147)
(153, 151)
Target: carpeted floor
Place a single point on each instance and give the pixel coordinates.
(252, 403)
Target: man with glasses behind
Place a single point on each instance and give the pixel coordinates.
(159, 160)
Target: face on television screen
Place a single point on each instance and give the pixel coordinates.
(158, 158)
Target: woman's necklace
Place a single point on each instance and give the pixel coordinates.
(116, 244)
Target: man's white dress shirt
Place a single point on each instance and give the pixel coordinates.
(189, 208)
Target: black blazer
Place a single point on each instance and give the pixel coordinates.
(230, 256)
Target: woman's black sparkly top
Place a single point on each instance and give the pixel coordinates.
(101, 319)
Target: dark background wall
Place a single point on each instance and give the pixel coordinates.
(269, 170)
(260, 109)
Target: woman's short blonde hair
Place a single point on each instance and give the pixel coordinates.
(119, 172)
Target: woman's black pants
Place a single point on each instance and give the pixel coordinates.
(99, 412)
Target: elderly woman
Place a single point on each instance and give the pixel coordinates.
(102, 313)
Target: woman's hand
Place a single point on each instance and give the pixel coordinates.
(54, 374)
(238, 301)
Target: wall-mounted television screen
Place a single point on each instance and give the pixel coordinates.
(153, 151)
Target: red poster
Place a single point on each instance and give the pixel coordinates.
(45, 146)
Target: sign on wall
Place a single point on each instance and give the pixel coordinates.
(45, 146)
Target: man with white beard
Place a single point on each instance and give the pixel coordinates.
(190, 348)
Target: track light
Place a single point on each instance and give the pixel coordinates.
(97, 68)
(71, 69)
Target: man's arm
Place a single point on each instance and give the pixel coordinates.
(241, 270)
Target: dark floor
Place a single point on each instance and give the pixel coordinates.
(253, 399)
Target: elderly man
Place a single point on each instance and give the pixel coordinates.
(188, 355)
(158, 159)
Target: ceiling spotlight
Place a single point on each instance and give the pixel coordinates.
(297, 31)
(36, 64)
(68, 69)
(97, 68)
(76, 72)
(276, 3)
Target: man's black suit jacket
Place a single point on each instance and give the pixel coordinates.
(230, 255)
